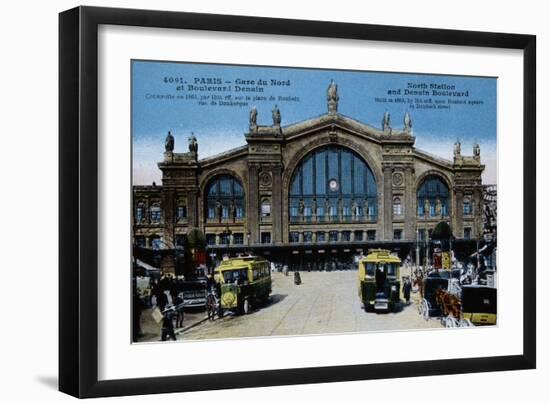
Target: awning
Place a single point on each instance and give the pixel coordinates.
(146, 266)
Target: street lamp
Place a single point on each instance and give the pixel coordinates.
(248, 242)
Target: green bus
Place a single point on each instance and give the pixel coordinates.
(245, 282)
(379, 285)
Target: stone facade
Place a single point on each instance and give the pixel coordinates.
(265, 166)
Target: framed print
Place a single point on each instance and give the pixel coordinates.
(270, 202)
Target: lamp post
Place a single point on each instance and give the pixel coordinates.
(417, 257)
(227, 235)
(248, 242)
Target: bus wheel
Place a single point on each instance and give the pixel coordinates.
(246, 306)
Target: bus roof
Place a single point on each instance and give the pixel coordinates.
(380, 255)
(239, 261)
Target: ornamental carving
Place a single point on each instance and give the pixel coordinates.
(398, 179)
(265, 178)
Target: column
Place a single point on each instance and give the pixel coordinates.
(192, 208)
(387, 203)
(457, 222)
(409, 205)
(277, 205)
(252, 204)
(478, 213)
(168, 214)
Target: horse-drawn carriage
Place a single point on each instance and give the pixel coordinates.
(456, 305)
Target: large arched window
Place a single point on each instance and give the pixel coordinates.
(432, 197)
(333, 184)
(224, 199)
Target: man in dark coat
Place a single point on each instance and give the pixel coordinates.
(168, 324)
(407, 289)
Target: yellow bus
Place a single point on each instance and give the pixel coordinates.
(244, 283)
(379, 284)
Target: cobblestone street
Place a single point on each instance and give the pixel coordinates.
(326, 302)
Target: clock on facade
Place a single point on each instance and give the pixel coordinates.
(333, 185)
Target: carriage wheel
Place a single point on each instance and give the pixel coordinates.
(246, 306)
(450, 322)
(425, 310)
(465, 323)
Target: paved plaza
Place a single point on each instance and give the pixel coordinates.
(326, 302)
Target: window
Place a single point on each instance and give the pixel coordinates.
(180, 240)
(155, 213)
(140, 241)
(210, 239)
(224, 238)
(433, 194)
(334, 180)
(467, 207)
(308, 236)
(156, 242)
(321, 236)
(371, 235)
(358, 235)
(332, 236)
(397, 207)
(265, 237)
(181, 213)
(294, 237)
(346, 236)
(266, 208)
(320, 211)
(397, 234)
(140, 212)
(467, 233)
(238, 238)
(421, 234)
(224, 199)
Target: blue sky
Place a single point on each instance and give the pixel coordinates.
(219, 128)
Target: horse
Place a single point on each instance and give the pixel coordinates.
(449, 303)
(418, 282)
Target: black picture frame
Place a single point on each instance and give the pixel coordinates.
(78, 201)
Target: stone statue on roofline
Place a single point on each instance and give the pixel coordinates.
(169, 143)
(407, 122)
(456, 150)
(253, 118)
(193, 144)
(477, 151)
(386, 122)
(276, 114)
(332, 97)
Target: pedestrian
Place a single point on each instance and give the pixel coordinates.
(162, 299)
(407, 289)
(167, 330)
(178, 303)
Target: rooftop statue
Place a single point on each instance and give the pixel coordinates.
(169, 143)
(253, 117)
(276, 116)
(407, 121)
(456, 150)
(332, 97)
(193, 144)
(386, 121)
(477, 150)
